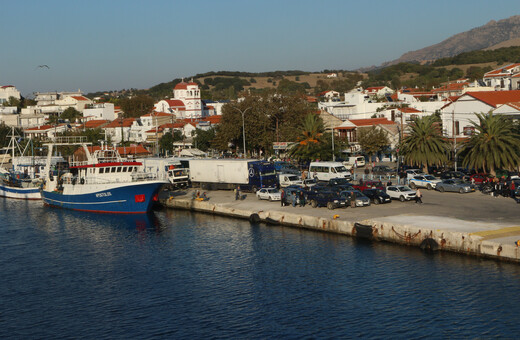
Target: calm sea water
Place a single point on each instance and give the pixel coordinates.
(174, 274)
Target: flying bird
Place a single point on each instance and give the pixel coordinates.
(43, 66)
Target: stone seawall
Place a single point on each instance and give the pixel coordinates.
(430, 239)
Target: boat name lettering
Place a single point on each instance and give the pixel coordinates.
(104, 194)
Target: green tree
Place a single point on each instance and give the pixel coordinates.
(137, 106)
(203, 138)
(12, 101)
(309, 142)
(70, 114)
(373, 140)
(495, 144)
(167, 140)
(424, 145)
(268, 116)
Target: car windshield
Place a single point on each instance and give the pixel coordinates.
(340, 169)
(267, 172)
(340, 181)
(273, 191)
(404, 188)
(429, 177)
(292, 178)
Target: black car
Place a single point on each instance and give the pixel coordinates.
(377, 196)
(452, 174)
(383, 170)
(339, 184)
(328, 199)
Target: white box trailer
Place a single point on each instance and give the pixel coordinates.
(229, 173)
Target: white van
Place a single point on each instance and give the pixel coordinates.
(324, 171)
(289, 179)
(359, 159)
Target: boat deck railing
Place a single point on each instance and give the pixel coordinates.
(134, 177)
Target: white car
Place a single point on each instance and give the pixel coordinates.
(269, 194)
(424, 181)
(400, 192)
(410, 173)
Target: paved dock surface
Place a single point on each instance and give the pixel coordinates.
(485, 218)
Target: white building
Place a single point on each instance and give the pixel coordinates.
(457, 115)
(187, 103)
(96, 111)
(505, 78)
(8, 91)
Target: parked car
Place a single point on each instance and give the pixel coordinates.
(410, 173)
(452, 174)
(356, 198)
(479, 178)
(308, 182)
(339, 184)
(383, 170)
(377, 196)
(424, 181)
(289, 179)
(455, 185)
(400, 192)
(269, 194)
(363, 185)
(293, 192)
(328, 199)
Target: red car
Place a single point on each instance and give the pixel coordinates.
(479, 178)
(369, 185)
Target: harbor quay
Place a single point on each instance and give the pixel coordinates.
(473, 224)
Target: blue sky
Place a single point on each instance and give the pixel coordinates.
(114, 44)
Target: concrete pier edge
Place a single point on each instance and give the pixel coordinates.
(403, 234)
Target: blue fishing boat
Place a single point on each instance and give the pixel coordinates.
(102, 182)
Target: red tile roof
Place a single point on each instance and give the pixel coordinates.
(374, 88)
(213, 119)
(80, 98)
(495, 98)
(500, 71)
(515, 105)
(92, 124)
(371, 121)
(181, 86)
(40, 128)
(451, 87)
(175, 103)
(408, 110)
(127, 122)
(157, 114)
(6, 86)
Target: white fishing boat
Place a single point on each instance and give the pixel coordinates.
(20, 175)
(101, 181)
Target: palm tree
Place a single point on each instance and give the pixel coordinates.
(424, 145)
(495, 144)
(310, 138)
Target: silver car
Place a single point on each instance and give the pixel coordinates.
(455, 185)
(356, 196)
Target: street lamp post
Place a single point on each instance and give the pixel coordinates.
(242, 112)
(333, 155)
(454, 135)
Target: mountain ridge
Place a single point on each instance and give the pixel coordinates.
(492, 35)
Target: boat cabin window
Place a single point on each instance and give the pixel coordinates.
(113, 169)
(101, 170)
(124, 169)
(119, 169)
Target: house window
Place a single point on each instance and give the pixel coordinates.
(469, 130)
(457, 131)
